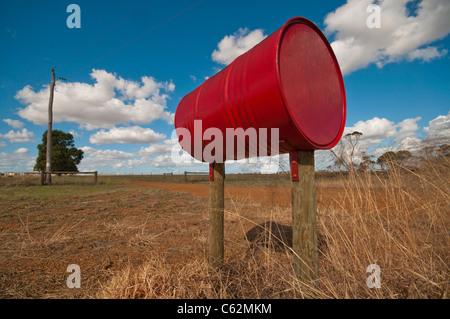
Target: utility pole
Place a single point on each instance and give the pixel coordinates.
(48, 165)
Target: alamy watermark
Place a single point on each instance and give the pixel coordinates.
(74, 19)
(374, 19)
(74, 279)
(374, 279)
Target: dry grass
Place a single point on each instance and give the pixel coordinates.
(397, 219)
(402, 226)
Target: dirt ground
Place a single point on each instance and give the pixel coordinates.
(105, 232)
(279, 196)
(266, 196)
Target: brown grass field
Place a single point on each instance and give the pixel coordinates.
(147, 236)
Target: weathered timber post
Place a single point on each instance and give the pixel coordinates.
(42, 178)
(304, 234)
(185, 177)
(48, 165)
(95, 177)
(216, 214)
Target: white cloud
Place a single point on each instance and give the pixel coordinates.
(161, 148)
(406, 137)
(232, 46)
(377, 130)
(105, 155)
(110, 101)
(374, 130)
(14, 123)
(426, 54)
(120, 162)
(16, 162)
(75, 134)
(378, 136)
(439, 127)
(95, 159)
(410, 143)
(407, 128)
(21, 150)
(382, 135)
(2, 144)
(22, 136)
(182, 160)
(400, 36)
(126, 135)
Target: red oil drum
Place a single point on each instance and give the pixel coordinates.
(290, 81)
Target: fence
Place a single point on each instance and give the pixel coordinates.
(195, 174)
(95, 173)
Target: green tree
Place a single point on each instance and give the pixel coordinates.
(65, 156)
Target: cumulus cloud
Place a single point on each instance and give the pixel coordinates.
(374, 130)
(111, 100)
(406, 136)
(164, 156)
(439, 127)
(402, 34)
(95, 159)
(179, 160)
(22, 136)
(14, 123)
(377, 130)
(126, 135)
(427, 54)
(402, 135)
(232, 46)
(21, 150)
(105, 155)
(161, 148)
(18, 161)
(75, 134)
(378, 136)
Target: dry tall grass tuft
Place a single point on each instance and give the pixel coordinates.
(397, 219)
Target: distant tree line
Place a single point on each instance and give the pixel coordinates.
(349, 158)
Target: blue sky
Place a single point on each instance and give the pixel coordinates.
(132, 61)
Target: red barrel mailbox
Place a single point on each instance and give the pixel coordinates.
(291, 81)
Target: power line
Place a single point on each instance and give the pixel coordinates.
(103, 33)
(139, 36)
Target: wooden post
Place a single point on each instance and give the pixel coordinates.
(42, 178)
(216, 215)
(304, 233)
(95, 177)
(185, 177)
(48, 165)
